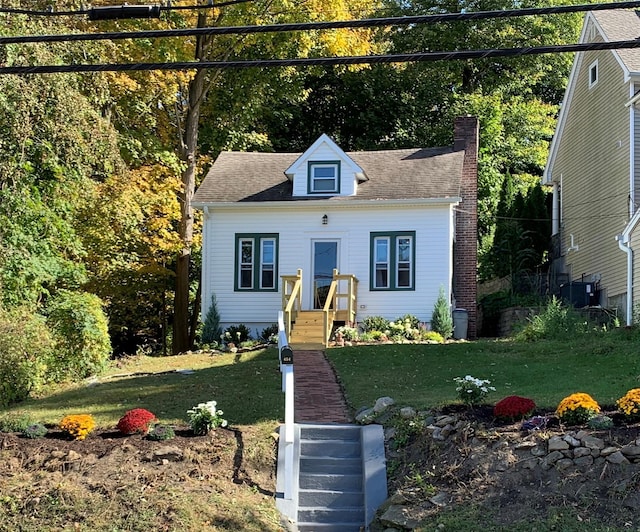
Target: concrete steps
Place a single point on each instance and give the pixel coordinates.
(330, 495)
(338, 477)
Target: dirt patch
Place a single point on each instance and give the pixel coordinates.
(225, 480)
(494, 467)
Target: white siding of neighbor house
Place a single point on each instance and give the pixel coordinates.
(297, 226)
(322, 153)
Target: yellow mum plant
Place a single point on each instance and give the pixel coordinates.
(629, 404)
(577, 409)
(78, 425)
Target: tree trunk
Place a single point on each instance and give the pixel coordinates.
(182, 337)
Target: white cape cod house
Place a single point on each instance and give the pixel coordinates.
(336, 236)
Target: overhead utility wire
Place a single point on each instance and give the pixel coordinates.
(326, 61)
(306, 26)
(152, 7)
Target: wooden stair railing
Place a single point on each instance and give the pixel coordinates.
(291, 299)
(341, 303)
(334, 309)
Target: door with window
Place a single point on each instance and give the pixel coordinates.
(325, 260)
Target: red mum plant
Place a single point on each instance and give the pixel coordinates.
(136, 420)
(514, 406)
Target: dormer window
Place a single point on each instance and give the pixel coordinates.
(324, 177)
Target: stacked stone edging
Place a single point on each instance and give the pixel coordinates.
(567, 463)
(579, 449)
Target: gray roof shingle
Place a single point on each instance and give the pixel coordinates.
(621, 25)
(392, 174)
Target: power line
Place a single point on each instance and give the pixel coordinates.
(307, 26)
(326, 61)
(52, 13)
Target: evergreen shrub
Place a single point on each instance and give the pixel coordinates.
(211, 329)
(441, 318)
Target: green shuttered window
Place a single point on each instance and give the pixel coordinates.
(256, 262)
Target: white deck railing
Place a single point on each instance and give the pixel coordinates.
(287, 388)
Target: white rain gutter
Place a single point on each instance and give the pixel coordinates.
(624, 243)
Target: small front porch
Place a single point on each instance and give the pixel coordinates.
(332, 302)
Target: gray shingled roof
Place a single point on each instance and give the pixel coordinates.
(621, 25)
(392, 174)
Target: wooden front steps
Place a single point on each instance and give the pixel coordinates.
(308, 328)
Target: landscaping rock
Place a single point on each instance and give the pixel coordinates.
(617, 458)
(399, 517)
(382, 404)
(630, 451)
(557, 443)
(591, 442)
(407, 412)
(366, 416)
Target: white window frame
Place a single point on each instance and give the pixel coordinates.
(594, 74)
(313, 180)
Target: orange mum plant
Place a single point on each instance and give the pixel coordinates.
(629, 404)
(78, 426)
(577, 409)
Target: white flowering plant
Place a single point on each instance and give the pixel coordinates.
(471, 390)
(205, 417)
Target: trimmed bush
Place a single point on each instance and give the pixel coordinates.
(270, 333)
(26, 348)
(374, 323)
(81, 332)
(236, 334)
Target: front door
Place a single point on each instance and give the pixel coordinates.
(325, 260)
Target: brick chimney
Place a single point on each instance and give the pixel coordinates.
(465, 255)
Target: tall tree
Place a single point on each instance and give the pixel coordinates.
(413, 104)
(207, 48)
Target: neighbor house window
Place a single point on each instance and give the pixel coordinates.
(324, 177)
(256, 262)
(593, 73)
(393, 260)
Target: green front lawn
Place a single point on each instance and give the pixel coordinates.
(246, 386)
(604, 365)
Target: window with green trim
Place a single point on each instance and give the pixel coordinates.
(393, 260)
(256, 262)
(324, 177)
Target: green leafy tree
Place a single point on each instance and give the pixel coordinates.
(414, 104)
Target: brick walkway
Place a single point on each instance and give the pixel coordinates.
(318, 396)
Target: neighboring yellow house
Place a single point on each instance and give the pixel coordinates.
(594, 169)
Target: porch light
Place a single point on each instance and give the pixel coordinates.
(325, 220)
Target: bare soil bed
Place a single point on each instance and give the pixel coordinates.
(226, 481)
(222, 481)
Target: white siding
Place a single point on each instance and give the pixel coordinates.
(352, 226)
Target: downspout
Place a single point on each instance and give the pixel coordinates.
(624, 245)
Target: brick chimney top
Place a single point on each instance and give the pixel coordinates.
(465, 133)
